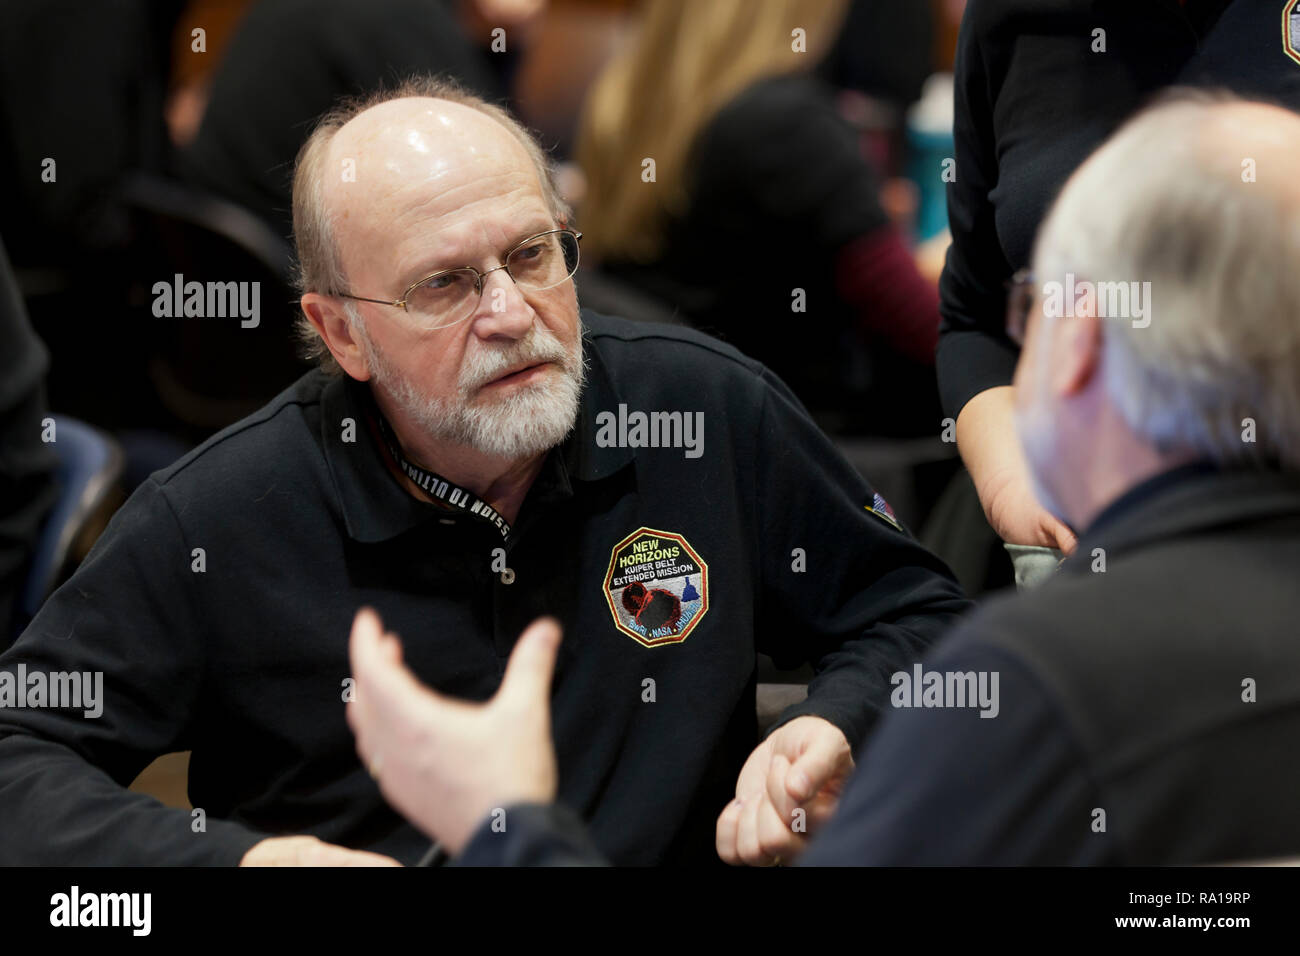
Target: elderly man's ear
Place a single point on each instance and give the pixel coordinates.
(327, 316)
(1076, 358)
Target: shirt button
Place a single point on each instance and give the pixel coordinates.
(508, 576)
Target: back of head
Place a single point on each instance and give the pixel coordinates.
(1197, 202)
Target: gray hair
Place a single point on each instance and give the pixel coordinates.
(1159, 203)
(319, 263)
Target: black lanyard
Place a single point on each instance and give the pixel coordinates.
(447, 492)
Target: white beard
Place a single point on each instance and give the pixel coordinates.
(527, 422)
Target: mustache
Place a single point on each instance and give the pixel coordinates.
(490, 362)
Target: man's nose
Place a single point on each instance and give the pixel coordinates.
(502, 308)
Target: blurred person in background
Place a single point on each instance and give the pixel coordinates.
(198, 44)
(81, 92)
(27, 464)
(1039, 84)
(763, 220)
(292, 60)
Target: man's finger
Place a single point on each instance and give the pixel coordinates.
(302, 850)
(728, 826)
(1065, 539)
(776, 840)
(778, 786)
(386, 693)
(367, 629)
(747, 846)
(377, 666)
(360, 858)
(362, 648)
(822, 757)
(370, 650)
(527, 683)
(328, 854)
(763, 838)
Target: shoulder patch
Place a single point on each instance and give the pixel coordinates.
(880, 508)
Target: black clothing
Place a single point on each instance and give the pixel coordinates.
(884, 49)
(292, 60)
(778, 189)
(81, 85)
(27, 464)
(244, 662)
(1122, 691)
(1033, 101)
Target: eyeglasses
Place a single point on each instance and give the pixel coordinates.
(451, 296)
(1022, 289)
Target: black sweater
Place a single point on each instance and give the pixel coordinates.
(1033, 100)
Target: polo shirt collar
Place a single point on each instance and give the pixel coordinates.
(584, 459)
(375, 507)
(1186, 500)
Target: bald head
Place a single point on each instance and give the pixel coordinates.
(377, 167)
(402, 140)
(420, 161)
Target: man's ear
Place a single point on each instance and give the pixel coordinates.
(330, 321)
(1078, 353)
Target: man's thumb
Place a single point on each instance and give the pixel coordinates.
(528, 674)
(813, 767)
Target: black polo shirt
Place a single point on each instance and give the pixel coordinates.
(663, 567)
(1033, 100)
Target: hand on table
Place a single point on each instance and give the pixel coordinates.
(309, 851)
(788, 787)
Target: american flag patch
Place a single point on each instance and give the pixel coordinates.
(880, 508)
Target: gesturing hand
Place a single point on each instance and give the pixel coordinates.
(444, 764)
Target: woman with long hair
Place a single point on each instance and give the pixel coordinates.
(721, 179)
